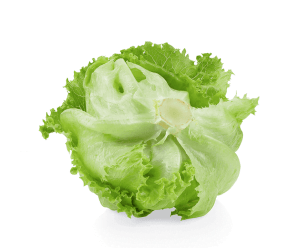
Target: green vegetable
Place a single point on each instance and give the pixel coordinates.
(149, 129)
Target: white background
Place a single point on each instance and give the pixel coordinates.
(43, 42)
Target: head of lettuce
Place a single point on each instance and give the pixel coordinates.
(151, 129)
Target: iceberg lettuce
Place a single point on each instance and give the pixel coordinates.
(149, 129)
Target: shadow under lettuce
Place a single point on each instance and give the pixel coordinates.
(160, 230)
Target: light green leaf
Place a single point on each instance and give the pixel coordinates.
(222, 121)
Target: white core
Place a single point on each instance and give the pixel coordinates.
(175, 113)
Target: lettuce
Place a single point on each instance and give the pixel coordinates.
(149, 129)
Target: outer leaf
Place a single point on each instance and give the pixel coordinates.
(210, 72)
(52, 123)
(162, 193)
(210, 142)
(95, 149)
(166, 159)
(167, 57)
(140, 128)
(206, 82)
(205, 175)
(114, 195)
(128, 171)
(213, 155)
(222, 121)
(75, 99)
